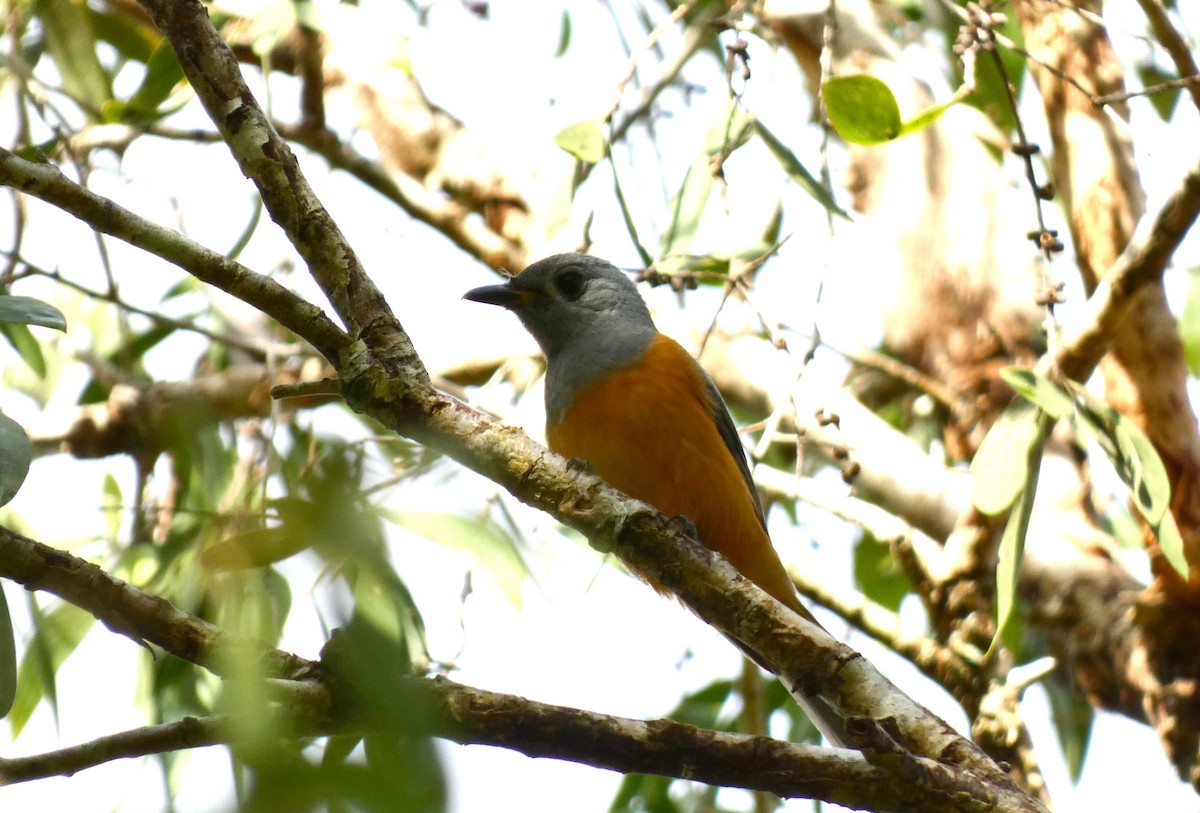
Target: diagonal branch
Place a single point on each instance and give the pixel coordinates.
(1142, 262)
(46, 182)
(266, 159)
(128, 611)
(469, 715)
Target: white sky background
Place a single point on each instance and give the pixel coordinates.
(585, 634)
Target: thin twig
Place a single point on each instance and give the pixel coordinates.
(258, 352)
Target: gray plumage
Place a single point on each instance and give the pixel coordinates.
(584, 334)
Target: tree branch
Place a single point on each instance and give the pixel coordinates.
(1175, 44)
(469, 715)
(447, 216)
(1142, 262)
(190, 732)
(128, 611)
(46, 182)
(267, 160)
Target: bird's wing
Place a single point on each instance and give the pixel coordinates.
(733, 441)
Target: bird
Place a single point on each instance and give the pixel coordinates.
(647, 418)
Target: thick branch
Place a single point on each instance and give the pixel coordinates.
(124, 609)
(143, 421)
(475, 716)
(469, 715)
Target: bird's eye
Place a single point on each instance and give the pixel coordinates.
(570, 284)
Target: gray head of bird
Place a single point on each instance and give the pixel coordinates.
(574, 303)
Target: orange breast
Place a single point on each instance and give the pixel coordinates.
(649, 430)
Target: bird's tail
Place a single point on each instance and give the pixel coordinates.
(831, 724)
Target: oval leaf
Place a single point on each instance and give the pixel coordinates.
(29, 311)
(15, 455)
(1003, 464)
(585, 140)
(862, 109)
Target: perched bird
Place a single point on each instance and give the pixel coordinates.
(636, 406)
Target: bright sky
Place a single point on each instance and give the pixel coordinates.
(585, 635)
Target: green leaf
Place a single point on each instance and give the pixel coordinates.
(1170, 542)
(1053, 399)
(163, 73)
(688, 207)
(111, 504)
(702, 708)
(1005, 462)
(1164, 101)
(29, 311)
(1072, 716)
(931, 114)
(187, 284)
(256, 547)
(27, 347)
(796, 171)
(8, 657)
(1152, 486)
(131, 39)
(487, 543)
(56, 635)
(386, 615)
(877, 575)
(271, 25)
(1189, 323)
(585, 140)
(639, 793)
(16, 452)
(564, 34)
(72, 43)
(1012, 549)
(1133, 456)
(862, 109)
(339, 747)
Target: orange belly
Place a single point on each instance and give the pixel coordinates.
(649, 430)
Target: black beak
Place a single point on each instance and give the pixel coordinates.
(501, 295)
